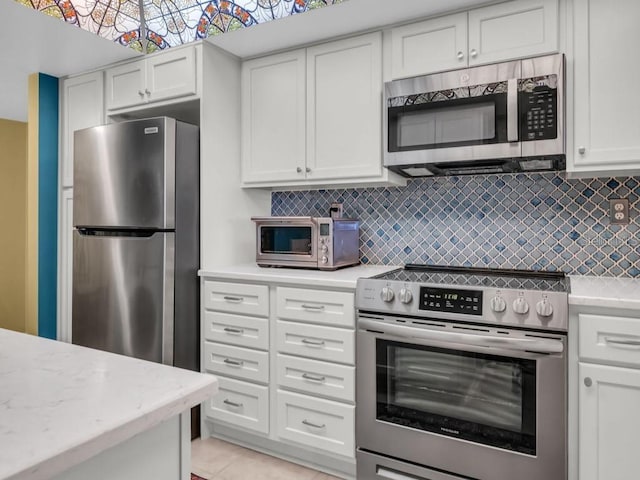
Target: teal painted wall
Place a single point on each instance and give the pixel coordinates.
(47, 205)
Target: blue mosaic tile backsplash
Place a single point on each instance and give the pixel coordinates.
(526, 221)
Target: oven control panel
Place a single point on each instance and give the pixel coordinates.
(525, 308)
(468, 302)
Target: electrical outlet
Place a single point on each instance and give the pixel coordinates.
(619, 211)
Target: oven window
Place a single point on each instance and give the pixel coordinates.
(286, 240)
(486, 399)
(454, 123)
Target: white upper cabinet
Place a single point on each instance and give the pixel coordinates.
(273, 117)
(501, 32)
(344, 118)
(162, 76)
(520, 28)
(606, 100)
(313, 117)
(431, 46)
(82, 106)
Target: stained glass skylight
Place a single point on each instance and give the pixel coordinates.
(166, 23)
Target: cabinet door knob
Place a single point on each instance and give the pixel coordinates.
(588, 382)
(582, 150)
(473, 53)
(141, 93)
(299, 170)
(460, 55)
(146, 90)
(308, 170)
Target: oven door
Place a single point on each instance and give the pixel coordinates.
(287, 241)
(462, 401)
(453, 117)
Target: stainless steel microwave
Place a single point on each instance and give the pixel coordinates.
(500, 118)
(307, 242)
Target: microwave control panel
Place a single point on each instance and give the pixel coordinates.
(538, 105)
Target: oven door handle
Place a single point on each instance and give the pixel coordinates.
(533, 345)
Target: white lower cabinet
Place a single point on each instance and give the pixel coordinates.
(285, 358)
(316, 422)
(240, 403)
(608, 396)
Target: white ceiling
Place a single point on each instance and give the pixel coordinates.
(32, 42)
(335, 21)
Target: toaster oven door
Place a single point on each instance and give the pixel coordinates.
(287, 243)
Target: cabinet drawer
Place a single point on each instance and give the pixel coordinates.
(317, 423)
(237, 298)
(314, 341)
(236, 362)
(240, 404)
(317, 378)
(609, 339)
(317, 306)
(249, 332)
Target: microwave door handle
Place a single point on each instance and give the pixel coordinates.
(512, 110)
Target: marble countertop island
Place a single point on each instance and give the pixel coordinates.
(61, 404)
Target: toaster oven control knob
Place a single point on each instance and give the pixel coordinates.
(324, 249)
(544, 308)
(498, 304)
(520, 306)
(405, 295)
(387, 294)
(324, 259)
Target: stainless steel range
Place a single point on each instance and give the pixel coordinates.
(462, 374)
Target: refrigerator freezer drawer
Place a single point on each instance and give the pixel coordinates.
(123, 295)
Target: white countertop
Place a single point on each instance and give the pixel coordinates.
(607, 292)
(60, 404)
(342, 278)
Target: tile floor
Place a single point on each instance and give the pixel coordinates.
(214, 459)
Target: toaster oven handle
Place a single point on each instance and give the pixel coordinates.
(512, 110)
(533, 345)
(284, 219)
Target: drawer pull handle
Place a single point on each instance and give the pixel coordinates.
(314, 343)
(233, 299)
(226, 401)
(312, 425)
(313, 378)
(313, 308)
(620, 341)
(587, 382)
(235, 363)
(234, 331)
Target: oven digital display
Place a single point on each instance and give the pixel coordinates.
(468, 302)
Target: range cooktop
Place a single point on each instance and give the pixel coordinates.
(531, 299)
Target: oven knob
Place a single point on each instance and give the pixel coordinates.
(387, 294)
(405, 295)
(324, 249)
(498, 304)
(324, 259)
(544, 308)
(520, 305)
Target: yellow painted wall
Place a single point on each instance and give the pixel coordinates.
(13, 214)
(31, 241)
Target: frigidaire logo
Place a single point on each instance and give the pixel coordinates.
(449, 430)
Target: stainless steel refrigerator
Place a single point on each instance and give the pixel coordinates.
(136, 240)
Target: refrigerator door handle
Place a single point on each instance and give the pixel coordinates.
(168, 300)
